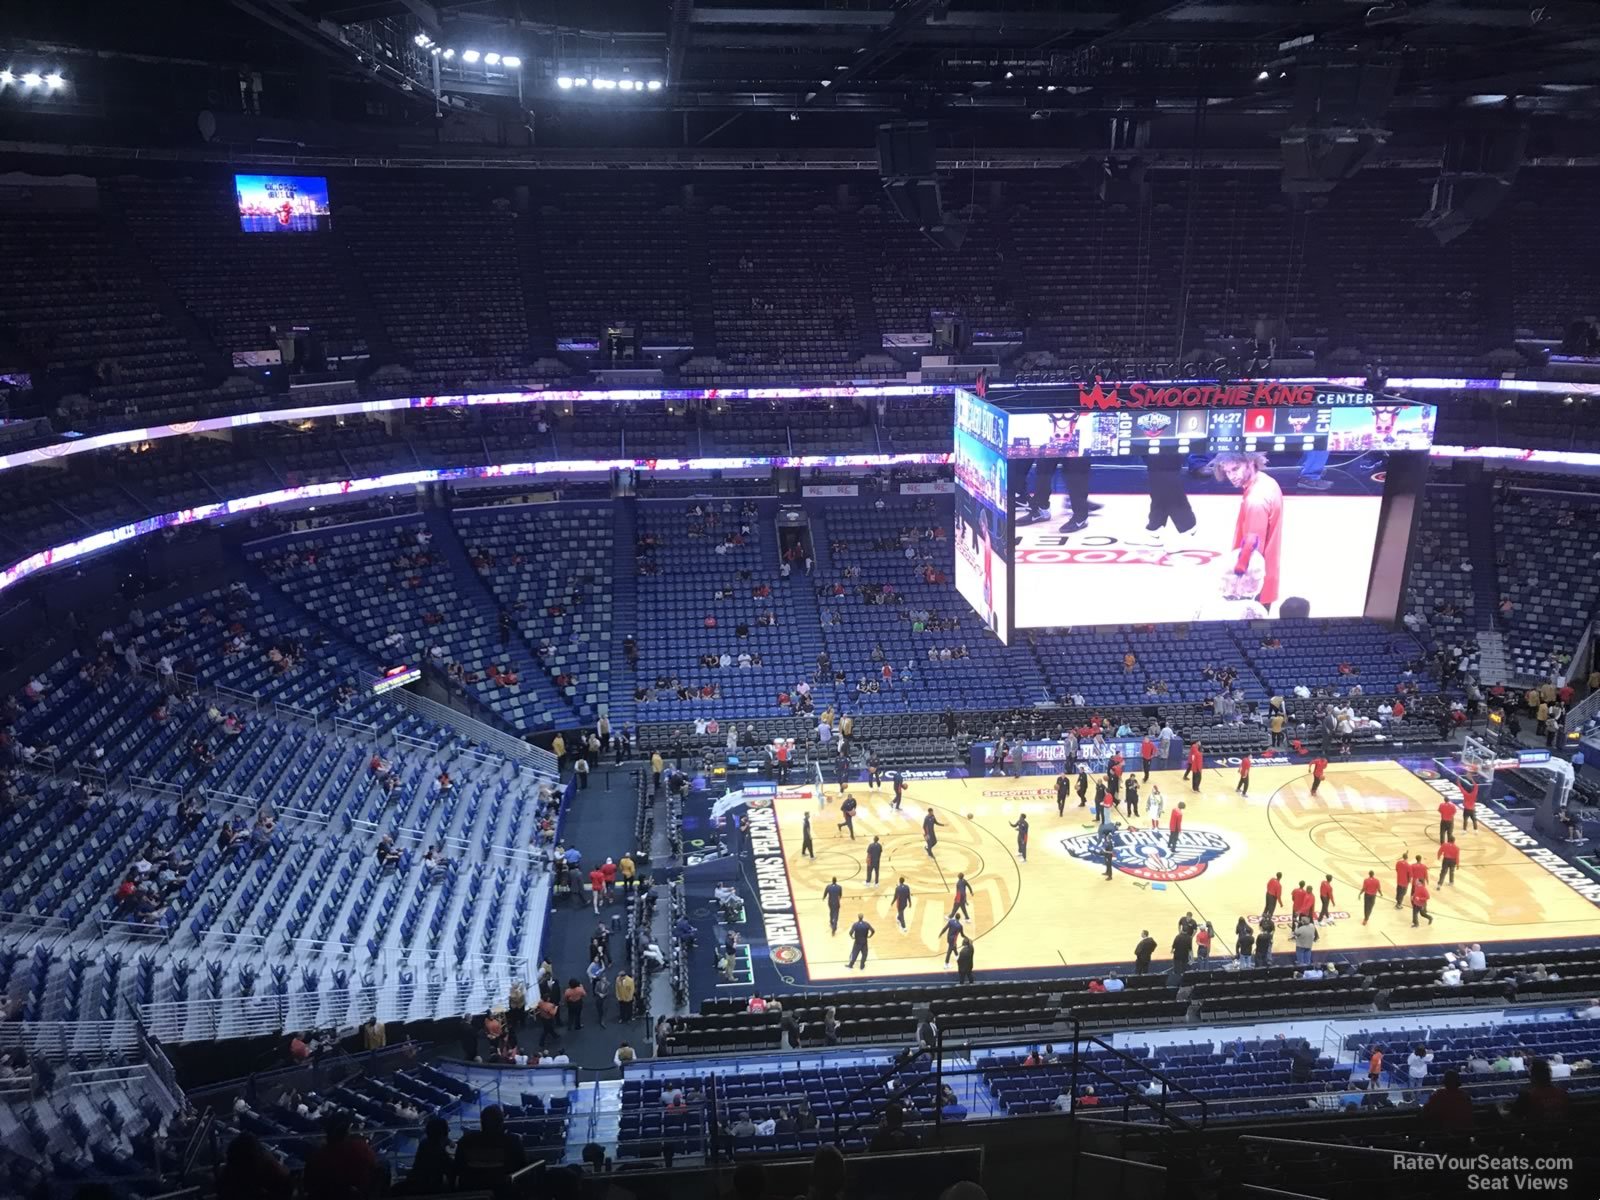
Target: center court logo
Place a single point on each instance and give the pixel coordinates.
(1143, 853)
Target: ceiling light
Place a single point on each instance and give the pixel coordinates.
(827, 83)
(654, 85)
(511, 62)
(1011, 75)
(564, 82)
(1049, 87)
(605, 85)
(492, 59)
(55, 79)
(7, 77)
(449, 54)
(470, 56)
(580, 81)
(1262, 75)
(33, 79)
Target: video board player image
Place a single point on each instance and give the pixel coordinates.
(1228, 534)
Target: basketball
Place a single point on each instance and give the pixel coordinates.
(969, 816)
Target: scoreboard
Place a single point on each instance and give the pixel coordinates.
(1144, 433)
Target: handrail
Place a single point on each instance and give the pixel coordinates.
(1168, 1085)
(475, 730)
(282, 708)
(149, 783)
(346, 727)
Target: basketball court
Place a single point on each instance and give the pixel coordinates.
(1057, 909)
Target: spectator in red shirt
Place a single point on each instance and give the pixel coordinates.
(597, 886)
(345, 1167)
(1147, 751)
(1450, 1108)
(1449, 859)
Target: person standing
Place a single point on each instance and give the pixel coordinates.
(1147, 751)
(847, 810)
(963, 888)
(1325, 894)
(1108, 851)
(806, 848)
(1154, 806)
(657, 767)
(1143, 952)
(1305, 936)
(874, 860)
(899, 791)
(1469, 804)
(1449, 859)
(1263, 952)
(1402, 879)
(1130, 796)
(1175, 825)
(600, 988)
(1319, 768)
(860, 934)
(575, 995)
(1202, 942)
(1258, 528)
(952, 935)
(1063, 785)
(964, 961)
(1021, 826)
(834, 895)
(1371, 889)
(1083, 785)
(929, 838)
(1419, 903)
(1243, 786)
(1182, 950)
(1447, 820)
(1244, 940)
(902, 901)
(625, 991)
(1417, 1069)
(1305, 902)
(1274, 896)
(1196, 767)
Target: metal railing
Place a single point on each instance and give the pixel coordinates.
(60, 1039)
(475, 731)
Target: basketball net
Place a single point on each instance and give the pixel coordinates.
(1477, 763)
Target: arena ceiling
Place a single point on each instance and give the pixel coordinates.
(1002, 72)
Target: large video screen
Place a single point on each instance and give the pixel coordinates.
(982, 524)
(1234, 533)
(282, 203)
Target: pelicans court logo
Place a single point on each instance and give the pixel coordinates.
(1143, 853)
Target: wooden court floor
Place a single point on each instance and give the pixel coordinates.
(1058, 909)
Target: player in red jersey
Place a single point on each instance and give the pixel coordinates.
(1258, 529)
(1371, 889)
(1325, 894)
(1419, 903)
(1469, 805)
(1449, 859)
(1402, 879)
(1319, 768)
(1447, 821)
